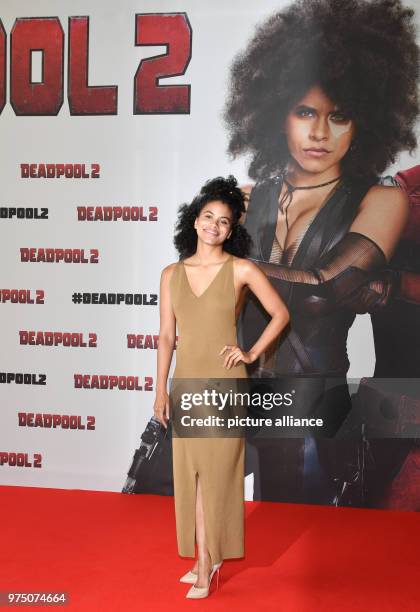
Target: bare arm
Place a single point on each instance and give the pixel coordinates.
(249, 275)
(261, 287)
(382, 217)
(167, 335)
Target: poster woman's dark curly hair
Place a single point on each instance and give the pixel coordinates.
(354, 50)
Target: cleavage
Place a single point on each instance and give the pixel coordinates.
(299, 219)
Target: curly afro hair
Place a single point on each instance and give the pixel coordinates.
(224, 190)
(362, 53)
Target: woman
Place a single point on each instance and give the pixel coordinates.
(200, 294)
(324, 98)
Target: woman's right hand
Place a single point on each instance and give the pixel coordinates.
(161, 408)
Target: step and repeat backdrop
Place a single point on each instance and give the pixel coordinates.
(111, 118)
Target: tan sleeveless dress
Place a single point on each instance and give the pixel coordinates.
(205, 325)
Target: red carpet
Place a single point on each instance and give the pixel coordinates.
(115, 552)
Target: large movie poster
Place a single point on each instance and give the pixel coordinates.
(112, 116)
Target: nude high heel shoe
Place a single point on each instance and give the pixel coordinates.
(189, 578)
(201, 592)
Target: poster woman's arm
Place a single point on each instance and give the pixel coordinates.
(166, 344)
(352, 273)
(382, 217)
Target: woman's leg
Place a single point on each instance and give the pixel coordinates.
(204, 564)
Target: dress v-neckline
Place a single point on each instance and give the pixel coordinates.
(197, 297)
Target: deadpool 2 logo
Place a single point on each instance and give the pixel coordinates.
(46, 35)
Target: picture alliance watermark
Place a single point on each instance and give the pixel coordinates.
(248, 421)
